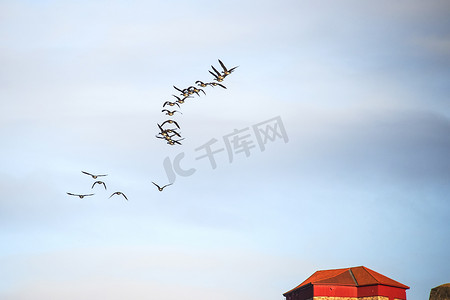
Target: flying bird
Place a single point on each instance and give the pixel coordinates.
(170, 103)
(161, 188)
(81, 196)
(170, 122)
(173, 142)
(183, 92)
(219, 76)
(99, 182)
(165, 132)
(181, 101)
(170, 113)
(196, 90)
(201, 83)
(215, 83)
(92, 175)
(225, 70)
(119, 193)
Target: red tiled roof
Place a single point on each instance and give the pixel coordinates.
(356, 276)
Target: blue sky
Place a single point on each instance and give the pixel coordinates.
(361, 88)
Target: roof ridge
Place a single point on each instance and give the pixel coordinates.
(353, 277)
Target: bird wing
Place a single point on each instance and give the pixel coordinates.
(223, 66)
(167, 185)
(215, 70)
(178, 89)
(213, 74)
(156, 185)
(87, 173)
(72, 194)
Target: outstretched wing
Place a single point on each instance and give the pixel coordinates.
(215, 76)
(223, 66)
(167, 185)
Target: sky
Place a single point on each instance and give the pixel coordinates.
(328, 149)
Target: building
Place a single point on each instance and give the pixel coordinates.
(357, 283)
(441, 292)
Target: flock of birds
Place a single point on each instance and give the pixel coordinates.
(99, 182)
(168, 134)
(171, 135)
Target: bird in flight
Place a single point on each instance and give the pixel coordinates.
(170, 113)
(165, 132)
(170, 122)
(181, 101)
(173, 142)
(92, 175)
(119, 193)
(99, 182)
(161, 188)
(171, 103)
(201, 83)
(215, 83)
(218, 78)
(183, 92)
(81, 196)
(225, 70)
(193, 89)
(217, 74)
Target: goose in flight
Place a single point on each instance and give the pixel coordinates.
(92, 175)
(225, 70)
(80, 196)
(99, 182)
(170, 122)
(171, 103)
(161, 188)
(119, 193)
(170, 113)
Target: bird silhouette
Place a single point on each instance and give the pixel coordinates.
(181, 101)
(226, 71)
(170, 113)
(92, 175)
(170, 122)
(183, 92)
(218, 78)
(201, 83)
(196, 90)
(119, 193)
(99, 182)
(80, 196)
(215, 84)
(173, 142)
(171, 103)
(161, 188)
(218, 75)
